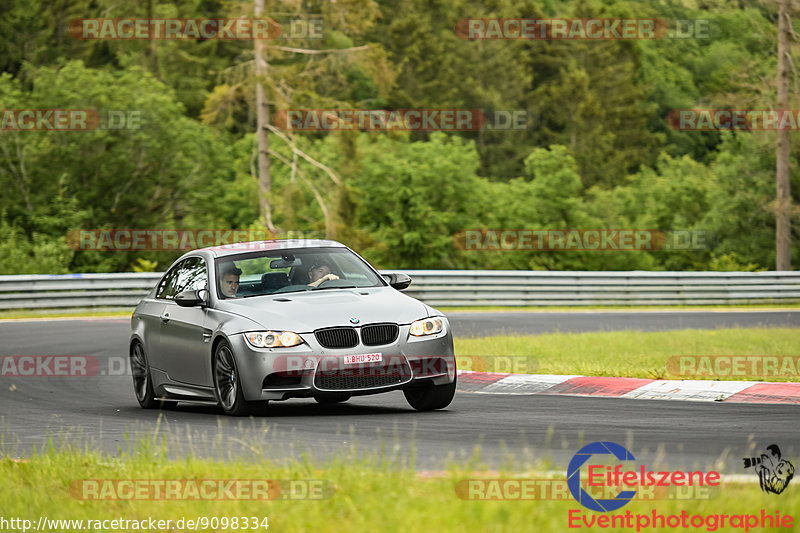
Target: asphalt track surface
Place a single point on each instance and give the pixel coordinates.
(481, 323)
(101, 410)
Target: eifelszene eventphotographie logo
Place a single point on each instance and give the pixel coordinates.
(774, 472)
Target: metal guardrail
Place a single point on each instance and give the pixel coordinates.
(574, 288)
(45, 291)
(453, 288)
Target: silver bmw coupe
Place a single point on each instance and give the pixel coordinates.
(239, 325)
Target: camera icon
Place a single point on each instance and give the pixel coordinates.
(752, 461)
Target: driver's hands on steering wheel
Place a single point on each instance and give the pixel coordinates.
(323, 278)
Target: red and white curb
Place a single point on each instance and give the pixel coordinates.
(635, 388)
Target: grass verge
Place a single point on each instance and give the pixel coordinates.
(24, 314)
(372, 493)
(776, 306)
(116, 312)
(628, 353)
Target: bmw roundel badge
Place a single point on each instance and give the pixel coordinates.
(354, 320)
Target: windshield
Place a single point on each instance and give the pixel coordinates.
(292, 270)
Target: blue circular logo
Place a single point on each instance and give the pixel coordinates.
(354, 320)
(574, 476)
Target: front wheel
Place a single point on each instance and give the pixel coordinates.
(142, 382)
(228, 386)
(432, 396)
(226, 382)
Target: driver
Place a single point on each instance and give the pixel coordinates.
(318, 273)
(229, 281)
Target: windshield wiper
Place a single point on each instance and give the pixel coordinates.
(336, 287)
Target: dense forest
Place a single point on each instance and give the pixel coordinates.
(176, 143)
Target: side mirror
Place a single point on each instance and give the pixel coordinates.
(191, 298)
(398, 280)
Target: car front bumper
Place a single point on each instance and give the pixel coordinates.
(311, 370)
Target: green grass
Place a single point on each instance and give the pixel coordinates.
(621, 353)
(116, 312)
(546, 308)
(25, 314)
(372, 493)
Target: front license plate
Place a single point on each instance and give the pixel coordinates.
(363, 358)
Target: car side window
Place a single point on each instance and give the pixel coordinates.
(189, 274)
(192, 275)
(166, 289)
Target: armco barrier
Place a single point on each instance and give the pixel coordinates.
(44, 291)
(454, 288)
(572, 288)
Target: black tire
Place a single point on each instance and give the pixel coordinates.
(142, 382)
(431, 397)
(332, 399)
(226, 382)
(258, 408)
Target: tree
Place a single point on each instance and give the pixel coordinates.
(164, 170)
(301, 76)
(783, 204)
(262, 120)
(416, 195)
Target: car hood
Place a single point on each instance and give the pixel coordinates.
(303, 312)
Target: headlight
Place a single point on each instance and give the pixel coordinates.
(426, 326)
(273, 339)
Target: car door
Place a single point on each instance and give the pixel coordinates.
(184, 342)
(151, 314)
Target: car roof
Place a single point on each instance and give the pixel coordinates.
(253, 246)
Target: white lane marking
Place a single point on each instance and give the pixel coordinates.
(525, 384)
(687, 390)
(695, 390)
